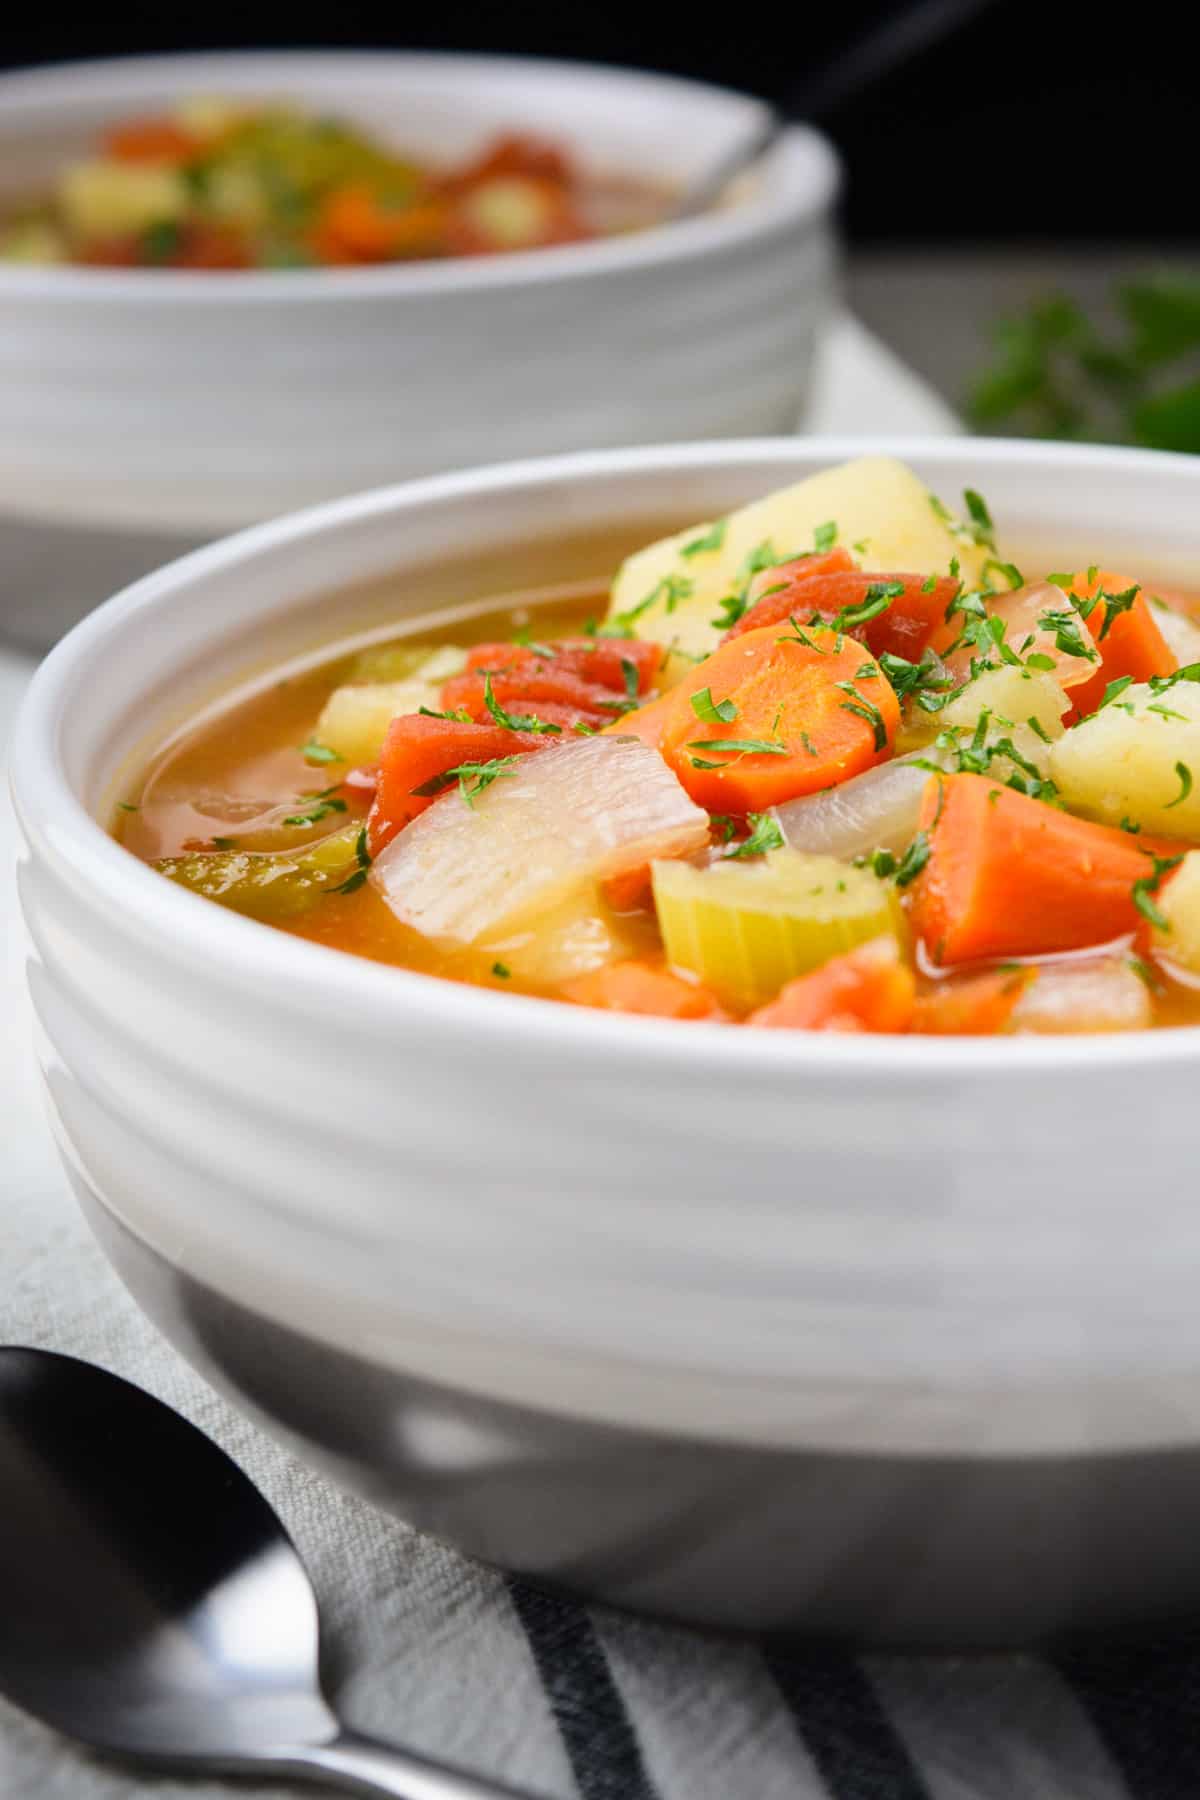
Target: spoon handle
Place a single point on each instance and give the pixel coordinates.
(364, 1765)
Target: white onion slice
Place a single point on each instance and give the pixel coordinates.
(1099, 994)
(877, 810)
(1021, 611)
(558, 821)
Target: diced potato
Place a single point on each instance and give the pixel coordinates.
(1102, 994)
(397, 661)
(1137, 758)
(1181, 633)
(355, 718)
(113, 199)
(237, 196)
(1178, 900)
(883, 514)
(745, 928)
(1015, 695)
(511, 211)
(571, 939)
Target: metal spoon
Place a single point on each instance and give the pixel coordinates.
(900, 36)
(152, 1605)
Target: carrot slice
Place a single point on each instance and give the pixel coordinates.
(528, 691)
(770, 590)
(150, 140)
(1132, 644)
(638, 987)
(607, 661)
(1011, 876)
(417, 751)
(903, 628)
(867, 989)
(769, 716)
(973, 1006)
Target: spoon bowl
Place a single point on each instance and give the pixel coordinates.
(154, 1606)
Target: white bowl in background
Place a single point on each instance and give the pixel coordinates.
(195, 402)
(756, 1328)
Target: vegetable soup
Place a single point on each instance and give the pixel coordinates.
(831, 763)
(213, 185)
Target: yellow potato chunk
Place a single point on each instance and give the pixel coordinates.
(355, 718)
(1178, 900)
(1138, 759)
(111, 199)
(884, 515)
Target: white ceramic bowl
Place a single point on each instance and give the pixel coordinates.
(167, 400)
(725, 1324)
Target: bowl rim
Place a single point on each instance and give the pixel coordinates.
(296, 976)
(804, 155)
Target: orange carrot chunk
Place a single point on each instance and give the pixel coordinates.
(1011, 876)
(893, 613)
(529, 692)
(150, 140)
(770, 594)
(639, 987)
(774, 714)
(1128, 640)
(419, 751)
(972, 1005)
(867, 989)
(616, 663)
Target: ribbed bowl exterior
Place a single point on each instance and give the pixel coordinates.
(965, 1248)
(203, 402)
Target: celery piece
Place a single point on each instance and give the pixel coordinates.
(744, 929)
(271, 886)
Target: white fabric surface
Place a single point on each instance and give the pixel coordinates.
(427, 1648)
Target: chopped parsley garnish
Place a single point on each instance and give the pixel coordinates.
(876, 600)
(127, 806)
(1038, 729)
(927, 681)
(713, 712)
(1114, 605)
(712, 539)
(473, 778)
(738, 747)
(913, 860)
(316, 753)
(981, 526)
(723, 825)
(501, 971)
(1114, 690)
(865, 709)
(363, 857)
(825, 537)
(527, 642)
(631, 678)
(224, 843)
(323, 805)
(512, 721)
(1144, 890)
(668, 592)
(1068, 635)
(458, 716)
(1185, 786)
(765, 834)
(1012, 575)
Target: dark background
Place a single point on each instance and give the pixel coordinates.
(1041, 121)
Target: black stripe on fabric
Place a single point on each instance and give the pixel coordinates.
(1144, 1700)
(591, 1716)
(838, 1715)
